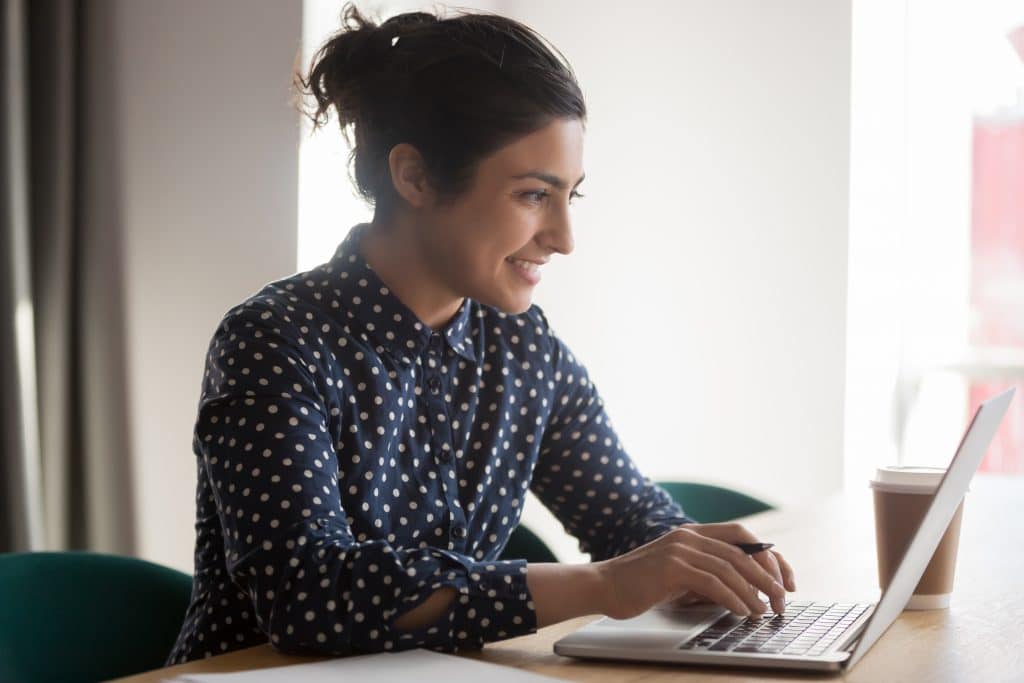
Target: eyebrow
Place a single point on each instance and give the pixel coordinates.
(548, 178)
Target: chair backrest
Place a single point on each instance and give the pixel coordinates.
(79, 617)
(523, 544)
(706, 503)
(709, 504)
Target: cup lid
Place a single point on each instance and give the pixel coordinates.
(907, 478)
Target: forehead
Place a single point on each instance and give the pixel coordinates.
(556, 148)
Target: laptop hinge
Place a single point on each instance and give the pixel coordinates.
(850, 642)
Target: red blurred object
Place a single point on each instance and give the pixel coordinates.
(997, 267)
(1016, 38)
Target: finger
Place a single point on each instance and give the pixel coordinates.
(768, 563)
(711, 586)
(749, 567)
(686, 599)
(726, 573)
(732, 533)
(697, 599)
(720, 539)
(778, 600)
(787, 571)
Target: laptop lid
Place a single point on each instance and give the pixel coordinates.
(947, 498)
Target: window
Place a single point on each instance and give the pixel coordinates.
(996, 329)
(937, 209)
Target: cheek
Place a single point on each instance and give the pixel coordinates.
(478, 247)
(484, 265)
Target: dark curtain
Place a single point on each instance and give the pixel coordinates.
(66, 463)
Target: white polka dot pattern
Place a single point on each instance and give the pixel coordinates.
(351, 461)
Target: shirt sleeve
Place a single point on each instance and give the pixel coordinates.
(264, 436)
(585, 477)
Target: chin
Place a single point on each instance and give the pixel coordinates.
(521, 308)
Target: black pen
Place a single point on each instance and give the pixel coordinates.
(751, 548)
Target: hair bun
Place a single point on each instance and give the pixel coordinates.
(410, 19)
(403, 24)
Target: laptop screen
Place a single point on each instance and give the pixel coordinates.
(947, 498)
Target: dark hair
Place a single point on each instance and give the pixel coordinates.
(457, 89)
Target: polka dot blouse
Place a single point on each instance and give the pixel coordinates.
(351, 461)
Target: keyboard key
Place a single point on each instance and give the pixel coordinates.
(772, 649)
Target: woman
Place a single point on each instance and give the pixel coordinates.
(368, 430)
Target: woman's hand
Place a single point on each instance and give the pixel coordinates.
(694, 562)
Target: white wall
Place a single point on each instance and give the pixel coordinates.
(209, 157)
(707, 293)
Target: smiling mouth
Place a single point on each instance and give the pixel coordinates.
(528, 270)
(528, 266)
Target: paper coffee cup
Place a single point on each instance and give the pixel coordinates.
(902, 497)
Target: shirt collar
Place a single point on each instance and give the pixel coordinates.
(376, 311)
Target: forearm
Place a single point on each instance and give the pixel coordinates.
(360, 601)
(428, 611)
(564, 591)
(560, 592)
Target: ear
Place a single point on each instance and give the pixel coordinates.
(409, 175)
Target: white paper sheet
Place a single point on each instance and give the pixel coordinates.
(408, 666)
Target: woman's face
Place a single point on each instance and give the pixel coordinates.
(491, 243)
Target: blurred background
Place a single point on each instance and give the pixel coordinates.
(807, 214)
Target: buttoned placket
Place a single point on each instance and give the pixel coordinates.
(435, 382)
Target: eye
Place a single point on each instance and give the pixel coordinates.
(538, 196)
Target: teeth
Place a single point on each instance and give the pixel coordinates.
(525, 265)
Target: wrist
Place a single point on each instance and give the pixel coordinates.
(564, 591)
(595, 582)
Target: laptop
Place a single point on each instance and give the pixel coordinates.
(821, 636)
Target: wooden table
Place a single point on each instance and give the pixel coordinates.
(831, 547)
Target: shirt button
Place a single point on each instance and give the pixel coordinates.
(444, 456)
(434, 345)
(459, 531)
(434, 383)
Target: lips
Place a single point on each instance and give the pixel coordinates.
(528, 270)
(531, 266)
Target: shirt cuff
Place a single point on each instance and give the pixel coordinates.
(492, 603)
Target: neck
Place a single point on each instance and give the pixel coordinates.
(393, 251)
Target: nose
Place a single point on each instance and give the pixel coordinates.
(557, 234)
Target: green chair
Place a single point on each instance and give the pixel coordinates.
(76, 616)
(526, 545)
(705, 503)
(710, 504)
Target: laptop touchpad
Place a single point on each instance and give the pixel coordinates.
(681, 621)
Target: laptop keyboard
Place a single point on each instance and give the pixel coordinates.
(805, 628)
